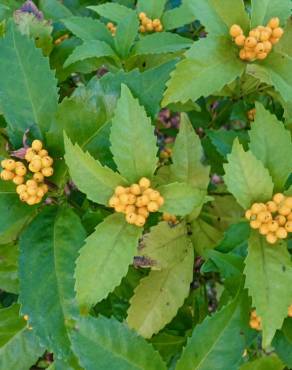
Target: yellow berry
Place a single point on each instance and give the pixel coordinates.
(23, 196)
(40, 193)
(274, 40)
(289, 217)
(7, 175)
(160, 201)
(120, 190)
(114, 201)
(38, 199)
(290, 311)
(255, 224)
(271, 238)
(250, 54)
(281, 233)
(130, 209)
(240, 40)
(256, 208)
(267, 46)
(264, 217)
(142, 29)
(142, 201)
(159, 28)
(144, 183)
(272, 206)
(156, 22)
(278, 198)
(284, 211)
(143, 211)
(154, 195)
(47, 172)
(43, 153)
(264, 229)
(273, 226)
(242, 54)
(35, 165)
(274, 23)
(32, 183)
(37, 145)
(262, 56)
(149, 26)
(31, 190)
(152, 206)
(44, 187)
(120, 208)
(248, 214)
(265, 36)
(281, 220)
(18, 180)
(20, 189)
(123, 199)
(3, 163)
(46, 161)
(142, 15)
(260, 48)
(29, 155)
(288, 202)
(255, 33)
(288, 226)
(31, 200)
(235, 30)
(131, 218)
(250, 42)
(38, 177)
(140, 221)
(10, 165)
(20, 170)
(135, 189)
(131, 199)
(277, 33)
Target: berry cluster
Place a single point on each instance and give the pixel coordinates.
(273, 219)
(149, 25)
(136, 201)
(255, 321)
(169, 218)
(260, 41)
(112, 28)
(251, 114)
(40, 166)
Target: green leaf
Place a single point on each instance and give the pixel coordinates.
(19, 347)
(271, 362)
(88, 29)
(126, 34)
(96, 181)
(105, 258)
(131, 126)
(13, 213)
(114, 12)
(162, 246)
(153, 8)
(48, 249)
(263, 10)
(54, 9)
(180, 198)
(210, 64)
(282, 342)
(271, 143)
(246, 177)
(275, 71)
(158, 297)
(218, 16)
(90, 49)
(268, 274)
(32, 97)
(107, 344)
(218, 342)
(179, 16)
(285, 46)
(204, 236)
(9, 268)
(187, 157)
(159, 43)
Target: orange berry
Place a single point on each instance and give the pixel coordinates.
(260, 48)
(120, 208)
(267, 46)
(152, 206)
(10, 165)
(274, 40)
(288, 226)
(114, 201)
(142, 29)
(264, 229)
(235, 30)
(140, 221)
(273, 226)
(271, 238)
(44, 187)
(159, 28)
(135, 189)
(43, 153)
(31, 190)
(242, 54)
(7, 175)
(281, 233)
(255, 33)
(281, 220)
(131, 199)
(142, 201)
(120, 190)
(248, 214)
(18, 180)
(277, 33)
(240, 40)
(149, 26)
(144, 183)
(284, 211)
(156, 23)
(264, 217)
(262, 56)
(154, 195)
(272, 206)
(38, 177)
(40, 193)
(142, 15)
(254, 324)
(274, 23)
(160, 201)
(47, 172)
(23, 196)
(290, 311)
(130, 209)
(255, 224)
(143, 211)
(131, 218)
(265, 36)
(288, 202)
(20, 188)
(250, 42)
(256, 208)
(31, 200)
(278, 198)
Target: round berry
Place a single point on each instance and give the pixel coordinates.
(242, 54)
(265, 36)
(21, 170)
(135, 189)
(114, 201)
(255, 224)
(31, 200)
(235, 30)
(267, 46)
(46, 161)
(37, 145)
(250, 42)
(281, 220)
(142, 201)
(284, 211)
(131, 199)
(262, 56)
(274, 23)
(44, 187)
(120, 190)
(272, 206)
(156, 23)
(20, 189)
(142, 15)
(47, 172)
(159, 28)
(271, 238)
(131, 218)
(30, 154)
(264, 217)
(154, 195)
(38, 177)
(40, 193)
(3, 163)
(32, 183)
(274, 40)
(143, 211)
(256, 208)
(281, 233)
(288, 226)
(278, 33)
(120, 208)
(149, 26)
(130, 209)
(18, 180)
(248, 214)
(142, 29)
(7, 175)
(160, 201)
(145, 183)
(260, 48)
(35, 165)
(123, 199)
(288, 202)
(140, 221)
(23, 196)
(43, 153)
(31, 190)
(240, 40)
(152, 206)
(264, 229)
(273, 226)
(10, 164)
(278, 198)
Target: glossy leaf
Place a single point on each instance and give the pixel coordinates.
(131, 126)
(105, 258)
(246, 177)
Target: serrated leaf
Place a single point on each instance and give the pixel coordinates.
(19, 347)
(163, 244)
(180, 198)
(130, 126)
(9, 268)
(210, 64)
(159, 43)
(263, 10)
(48, 249)
(112, 11)
(32, 98)
(105, 258)
(282, 342)
(218, 16)
(271, 362)
(178, 16)
(204, 236)
(107, 344)
(246, 177)
(268, 274)
(158, 297)
(13, 213)
(187, 157)
(96, 181)
(88, 29)
(275, 71)
(90, 49)
(126, 34)
(207, 348)
(153, 8)
(271, 143)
